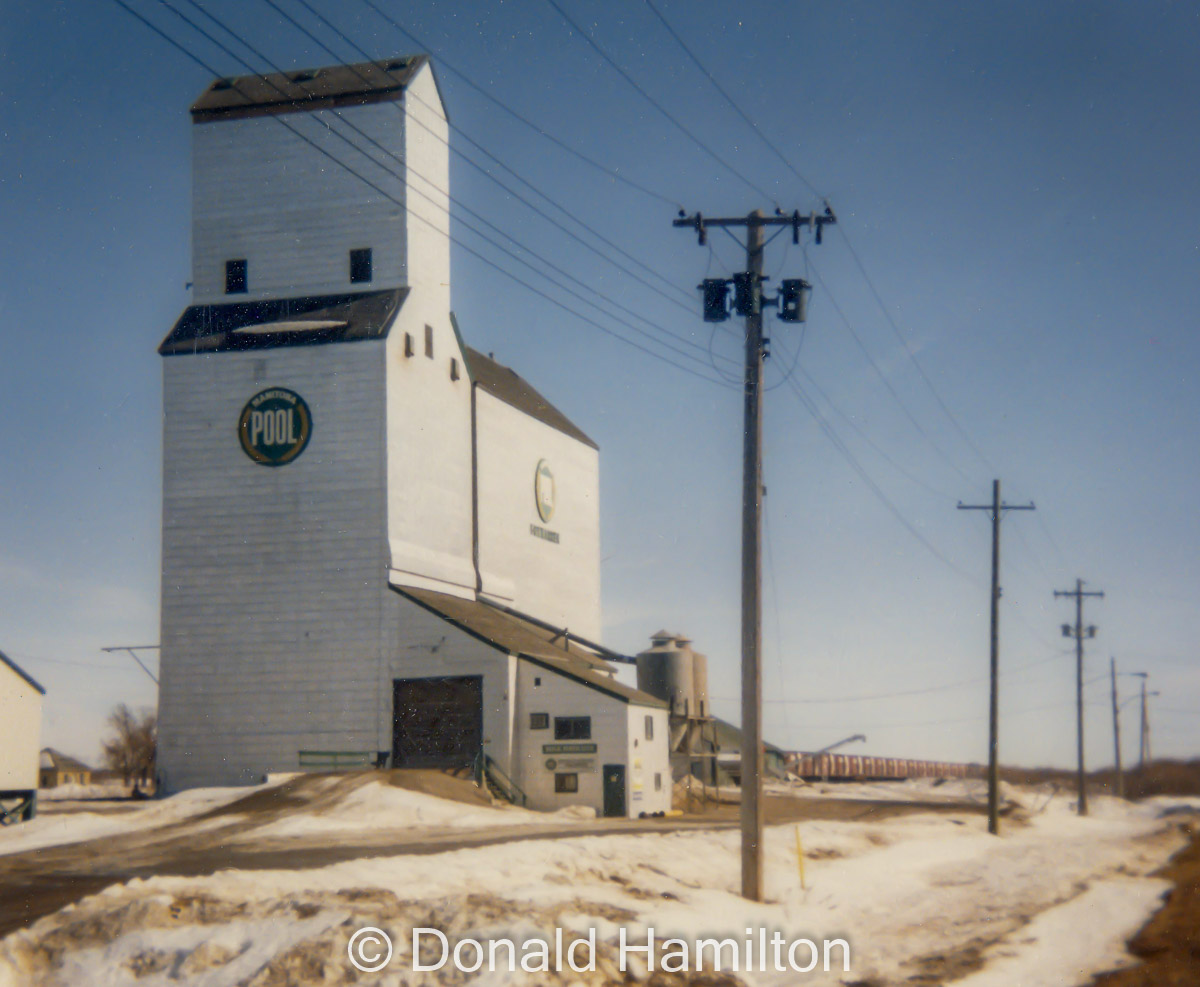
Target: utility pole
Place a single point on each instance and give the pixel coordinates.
(997, 508)
(748, 302)
(1078, 633)
(1144, 739)
(1112, 664)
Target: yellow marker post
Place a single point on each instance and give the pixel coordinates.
(800, 860)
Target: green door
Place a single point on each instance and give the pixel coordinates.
(614, 790)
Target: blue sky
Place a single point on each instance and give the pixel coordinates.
(1018, 180)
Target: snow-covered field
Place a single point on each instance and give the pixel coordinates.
(1048, 903)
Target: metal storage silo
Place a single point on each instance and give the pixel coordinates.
(666, 670)
(700, 684)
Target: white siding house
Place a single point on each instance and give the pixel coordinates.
(374, 537)
(20, 740)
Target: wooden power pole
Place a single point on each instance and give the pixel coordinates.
(748, 302)
(1078, 633)
(997, 509)
(1112, 666)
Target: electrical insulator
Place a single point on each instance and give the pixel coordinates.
(793, 299)
(716, 299)
(747, 298)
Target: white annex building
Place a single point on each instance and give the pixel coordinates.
(20, 738)
(379, 545)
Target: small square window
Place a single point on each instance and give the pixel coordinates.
(537, 682)
(429, 341)
(235, 277)
(360, 265)
(566, 783)
(572, 728)
(539, 721)
(649, 727)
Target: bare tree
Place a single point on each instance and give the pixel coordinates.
(131, 746)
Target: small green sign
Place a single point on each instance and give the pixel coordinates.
(568, 748)
(275, 426)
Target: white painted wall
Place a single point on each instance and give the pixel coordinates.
(428, 412)
(559, 583)
(649, 772)
(273, 578)
(422, 645)
(20, 738)
(261, 193)
(540, 690)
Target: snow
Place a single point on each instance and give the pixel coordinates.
(53, 829)
(1048, 903)
(98, 790)
(1064, 945)
(378, 806)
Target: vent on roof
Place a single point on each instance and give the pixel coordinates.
(396, 65)
(306, 76)
(222, 84)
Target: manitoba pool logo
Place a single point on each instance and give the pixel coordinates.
(543, 490)
(275, 426)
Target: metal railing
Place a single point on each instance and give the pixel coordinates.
(487, 770)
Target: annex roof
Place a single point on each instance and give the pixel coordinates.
(511, 388)
(307, 89)
(5, 660)
(275, 322)
(512, 635)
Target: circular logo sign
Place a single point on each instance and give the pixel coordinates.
(543, 490)
(275, 426)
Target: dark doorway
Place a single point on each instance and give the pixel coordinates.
(614, 790)
(437, 723)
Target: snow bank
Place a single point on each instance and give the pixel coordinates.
(57, 828)
(928, 895)
(378, 806)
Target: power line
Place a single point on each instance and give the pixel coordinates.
(67, 661)
(883, 377)
(858, 468)
(730, 100)
(561, 144)
(911, 355)
(375, 187)
(487, 174)
(811, 383)
(658, 106)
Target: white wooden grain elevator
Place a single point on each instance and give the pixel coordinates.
(379, 545)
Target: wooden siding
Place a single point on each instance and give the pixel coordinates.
(558, 582)
(21, 716)
(273, 588)
(557, 695)
(260, 192)
(422, 645)
(647, 758)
